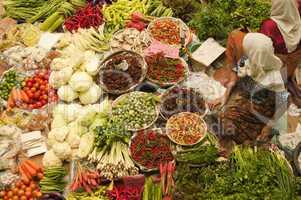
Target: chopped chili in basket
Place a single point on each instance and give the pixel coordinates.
(150, 148)
(164, 70)
(166, 31)
(185, 128)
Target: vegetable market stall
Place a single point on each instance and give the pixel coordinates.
(99, 100)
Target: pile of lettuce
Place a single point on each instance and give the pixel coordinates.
(218, 18)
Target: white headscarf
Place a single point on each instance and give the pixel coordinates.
(286, 14)
(262, 64)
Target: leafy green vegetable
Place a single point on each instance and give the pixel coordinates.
(200, 155)
(108, 133)
(219, 17)
(99, 194)
(22, 9)
(183, 9)
(152, 190)
(53, 180)
(250, 174)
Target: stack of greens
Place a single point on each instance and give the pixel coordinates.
(219, 17)
(250, 174)
(183, 9)
(111, 154)
(53, 180)
(23, 9)
(52, 11)
(152, 190)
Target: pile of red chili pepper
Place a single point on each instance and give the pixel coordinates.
(150, 148)
(181, 99)
(138, 21)
(125, 191)
(164, 70)
(166, 31)
(89, 16)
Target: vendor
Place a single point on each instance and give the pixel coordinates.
(284, 28)
(256, 89)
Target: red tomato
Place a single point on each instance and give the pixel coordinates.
(39, 104)
(45, 97)
(25, 89)
(15, 198)
(43, 92)
(37, 94)
(21, 192)
(23, 198)
(46, 76)
(28, 190)
(28, 194)
(38, 194)
(29, 83)
(42, 87)
(30, 94)
(10, 194)
(44, 102)
(46, 88)
(36, 85)
(33, 186)
(2, 194)
(30, 79)
(33, 89)
(15, 190)
(31, 106)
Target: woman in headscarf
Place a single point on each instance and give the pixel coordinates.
(257, 93)
(284, 28)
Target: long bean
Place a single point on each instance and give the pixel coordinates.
(53, 180)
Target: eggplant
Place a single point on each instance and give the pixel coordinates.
(52, 196)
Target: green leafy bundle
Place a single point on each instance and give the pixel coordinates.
(219, 17)
(109, 133)
(249, 174)
(183, 9)
(23, 9)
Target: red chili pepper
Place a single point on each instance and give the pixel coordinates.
(89, 16)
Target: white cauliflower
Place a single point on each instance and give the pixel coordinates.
(81, 81)
(62, 150)
(51, 160)
(86, 145)
(69, 111)
(55, 80)
(58, 121)
(65, 74)
(91, 63)
(59, 134)
(77, 128)
(58, 64)
(66, 93)
(73, 140)
(91, 95)
(51, 139)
